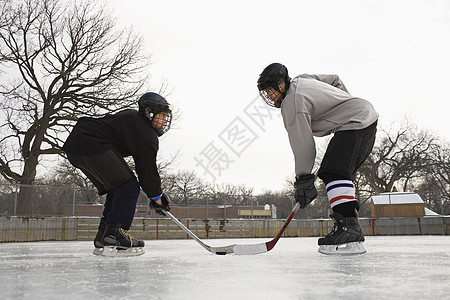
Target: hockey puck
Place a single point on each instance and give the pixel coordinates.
(221, 253)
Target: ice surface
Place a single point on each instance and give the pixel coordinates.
(395, 267)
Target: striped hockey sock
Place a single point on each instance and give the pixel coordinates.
(340, 191)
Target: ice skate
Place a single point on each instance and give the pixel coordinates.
(345, 238)
(98, 243)
(118, 242)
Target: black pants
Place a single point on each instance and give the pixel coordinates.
(112, 176)
(345, 153)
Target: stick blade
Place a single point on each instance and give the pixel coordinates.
(222, 250)
(250, 249)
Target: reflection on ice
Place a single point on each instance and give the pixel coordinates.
(406, 267)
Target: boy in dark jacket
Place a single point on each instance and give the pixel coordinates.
(97, 147)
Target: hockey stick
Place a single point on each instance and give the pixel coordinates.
(250, 249)
(216, 250)
(253, 249)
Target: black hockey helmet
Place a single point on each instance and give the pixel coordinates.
(157, 110)
(271, 76)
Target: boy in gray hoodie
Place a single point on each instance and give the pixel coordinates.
(320, 105)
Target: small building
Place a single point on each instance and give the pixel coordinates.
(397, 205)
(266, 212)
(215, 212)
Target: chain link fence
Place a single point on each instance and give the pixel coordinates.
(41, 201)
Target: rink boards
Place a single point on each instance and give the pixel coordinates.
(17, 229)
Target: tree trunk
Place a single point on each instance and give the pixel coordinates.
(28, 203)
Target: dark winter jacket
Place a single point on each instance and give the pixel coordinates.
(127, 131)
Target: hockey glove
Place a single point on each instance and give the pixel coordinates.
(305, 191)
(164, 205)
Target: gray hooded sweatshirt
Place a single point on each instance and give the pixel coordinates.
(319, 105)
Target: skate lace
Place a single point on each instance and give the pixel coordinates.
(125, 233)
(335, 229)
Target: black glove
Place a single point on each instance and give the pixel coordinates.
(305, 191)
(158, 208)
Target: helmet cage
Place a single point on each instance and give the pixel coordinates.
(157, 110)
(265, 96)
(160, 120)
(271, 77)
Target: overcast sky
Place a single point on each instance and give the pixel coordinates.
(393, 53)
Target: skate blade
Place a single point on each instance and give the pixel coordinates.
(98, 251)
(114, 251)
(344, 249)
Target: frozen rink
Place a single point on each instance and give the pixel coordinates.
(395, 267)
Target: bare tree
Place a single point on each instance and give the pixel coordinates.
(66, 175)
(436, 180)
(441, 168)
(397, 160)
(62, 61)
(229, 194)
(187, 187)
(245, 194)
(168, 180)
